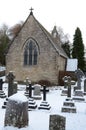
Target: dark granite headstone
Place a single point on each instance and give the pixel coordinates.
(57, 122)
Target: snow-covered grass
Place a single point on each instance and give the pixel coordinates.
(39, 119)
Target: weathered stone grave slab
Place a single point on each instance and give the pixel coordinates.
(57, 122)
(16, 111)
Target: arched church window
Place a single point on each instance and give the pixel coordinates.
(30, 53)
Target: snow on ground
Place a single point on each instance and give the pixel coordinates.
(39, 119)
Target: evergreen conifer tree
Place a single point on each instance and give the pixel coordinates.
(78, 49)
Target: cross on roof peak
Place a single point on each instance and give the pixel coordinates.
(31, 9)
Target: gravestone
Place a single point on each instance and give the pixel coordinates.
(16, 111)
(67, 89)
(44, 104)
(37, 92)
(31, 102)
(57, 122)
(29, 88)
(10, 78)
(85, 87)
(69, 86)
(1, 84)
(68, 105)
(65, 81)
(79, 75)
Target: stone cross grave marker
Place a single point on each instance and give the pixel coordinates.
(69, 86)
(10, 78)
(65, 81)
(44, 93)
(44, 104)
(1, 84)
(29, 87)
(57, 122)
(79, 75)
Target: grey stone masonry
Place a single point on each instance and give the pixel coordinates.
(57, 122)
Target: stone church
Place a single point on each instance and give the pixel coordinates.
(35, 53)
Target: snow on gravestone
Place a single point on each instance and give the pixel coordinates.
(16, 111)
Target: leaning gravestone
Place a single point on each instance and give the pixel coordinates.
(57, 122)
(16, 111)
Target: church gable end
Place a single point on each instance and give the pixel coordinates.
(33, 54)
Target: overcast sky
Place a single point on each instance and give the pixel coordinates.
(67, 14)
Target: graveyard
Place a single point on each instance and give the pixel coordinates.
(45, 107)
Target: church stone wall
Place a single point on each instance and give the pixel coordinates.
(49, 61)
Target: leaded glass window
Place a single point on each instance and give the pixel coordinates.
(30, 53)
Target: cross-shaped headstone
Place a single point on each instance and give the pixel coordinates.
(44, 93)
(10, 78)
(1, 83)
(65, 81)
(69, 86)
(29, 87)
